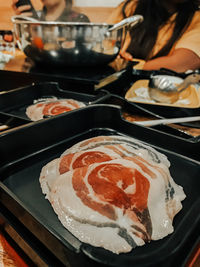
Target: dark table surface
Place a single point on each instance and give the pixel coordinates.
(22, 72)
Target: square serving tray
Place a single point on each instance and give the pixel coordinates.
(8, 123)
(166, 111)
(135, 110)
(14, 102)
(26, 150)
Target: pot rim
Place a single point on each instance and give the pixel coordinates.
(19, 20)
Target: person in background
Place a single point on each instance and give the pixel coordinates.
(53, 10)
(169, 36)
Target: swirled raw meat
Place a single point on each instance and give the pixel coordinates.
(51, 107)
(113, 192)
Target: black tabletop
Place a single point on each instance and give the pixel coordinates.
(22, 71)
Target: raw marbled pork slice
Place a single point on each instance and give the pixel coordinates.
(53, 107)
(98, 149)
(72, 161)
(113, 188)
(130, 147)
(127, 147)
(116, 204)
(124, 147)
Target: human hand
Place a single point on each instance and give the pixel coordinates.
(126, 55)
(21, 10)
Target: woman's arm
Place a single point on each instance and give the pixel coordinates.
(180, 60)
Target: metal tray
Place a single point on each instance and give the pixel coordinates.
(15, 102)
(26, 150)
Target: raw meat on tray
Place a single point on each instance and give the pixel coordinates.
(51, 107)
(113, 192)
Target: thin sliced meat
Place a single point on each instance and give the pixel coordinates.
(88, 157)
(53, 107)
(113, 192)
(72, 161)
(127, 146)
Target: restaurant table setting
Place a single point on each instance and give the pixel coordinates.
(113, 102)
(71, 43)
(20, 188)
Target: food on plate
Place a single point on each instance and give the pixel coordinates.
(113, 192)
(139, 93)
(161, 89)
(168, 97)
(51, 107)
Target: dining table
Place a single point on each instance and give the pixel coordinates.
(20, 71)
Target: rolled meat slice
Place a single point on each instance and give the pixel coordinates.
(128, 147)
(113, 192)
(98, 149)
(72, 161)
(114, 205)
(51, 107)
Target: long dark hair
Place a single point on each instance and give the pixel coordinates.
(143, 37)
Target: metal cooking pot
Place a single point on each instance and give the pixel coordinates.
(71, 43)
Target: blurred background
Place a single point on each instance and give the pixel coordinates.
(97, 10)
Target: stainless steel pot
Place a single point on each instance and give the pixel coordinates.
(71, 43)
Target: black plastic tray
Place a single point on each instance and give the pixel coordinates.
(11, 121)
(26, 150)
(135, 109)
(168, 111)
(163, 111)
(79, 78)
(174, 112)
(15, 102)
